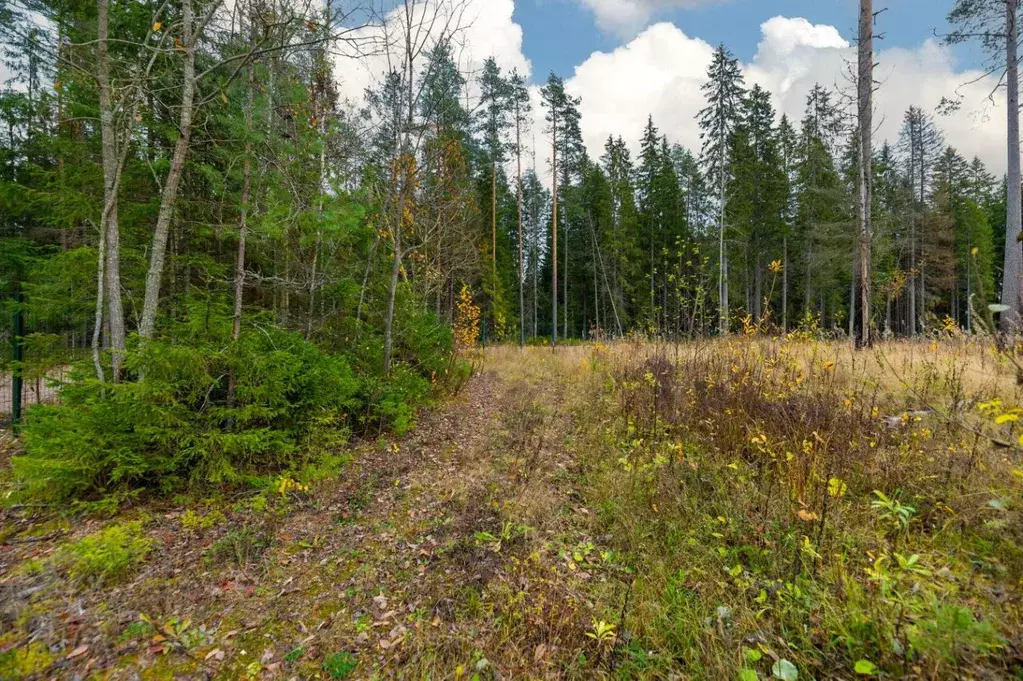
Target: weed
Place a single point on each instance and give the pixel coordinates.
(240, 546)
(340, 665)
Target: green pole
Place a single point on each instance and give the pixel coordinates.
(17, 351)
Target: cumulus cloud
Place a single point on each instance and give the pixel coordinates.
(626, 17)
(660, 71)
(478, 29)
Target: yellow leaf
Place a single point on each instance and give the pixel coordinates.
(836, 487)
(1006, 418)
(157, 26)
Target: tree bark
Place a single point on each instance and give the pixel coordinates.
(109, 227)
(784, 284)
(243, 222)
(1013, 266)
(518, 204)
(554, 231)
(722, 257)
(170, 188)
(865, 92)
(98, 327)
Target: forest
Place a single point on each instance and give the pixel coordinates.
(298, 382)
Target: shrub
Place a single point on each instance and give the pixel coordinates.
(397, 397)
(105, 555)
(181, 424)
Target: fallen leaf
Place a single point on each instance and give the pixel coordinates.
(807, 516)
(216, 654)
(77, 651)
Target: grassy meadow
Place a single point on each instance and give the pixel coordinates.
(784, 508)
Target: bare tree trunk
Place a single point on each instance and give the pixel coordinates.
(784, 284)
(493, 219)
(170, 187)
(554, 230)
(111, 184)
(365, 280)
(1012, 289)
(865, 87)
(98, 328)
(912, 277)
(722, 257)
(243, 223)
(319, 225)
(564, 283)
(518, 203)
(392, 290)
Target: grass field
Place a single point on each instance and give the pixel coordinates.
(732, 509)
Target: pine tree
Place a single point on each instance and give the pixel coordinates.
(563, 125)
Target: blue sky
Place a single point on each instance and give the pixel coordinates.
(628, 60)
(559, 34)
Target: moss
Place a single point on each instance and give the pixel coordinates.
(26, 661)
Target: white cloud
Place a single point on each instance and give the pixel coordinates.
(478, 29)
(626, 17)
(660, 72)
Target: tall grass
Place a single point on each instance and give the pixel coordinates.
(797, 503)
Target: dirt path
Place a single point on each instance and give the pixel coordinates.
(459, 550)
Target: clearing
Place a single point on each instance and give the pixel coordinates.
(731, 509)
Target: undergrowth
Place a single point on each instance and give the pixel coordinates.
(196, 409)
(104, 556)
(787, 509)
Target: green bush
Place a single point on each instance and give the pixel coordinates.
(395, 399)
(105, 555)
(179, 424)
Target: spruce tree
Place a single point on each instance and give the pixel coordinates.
(718, 120)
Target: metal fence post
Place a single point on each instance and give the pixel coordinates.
(17, 351)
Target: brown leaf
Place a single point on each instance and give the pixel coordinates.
(77, 651)
(807, 516)
(216, 654)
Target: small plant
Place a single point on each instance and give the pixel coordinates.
(509, 532)
(340, 665)
(191, 521)
(240, 546)
(137, 630)
(285, 485)
(105, 555)
(602, 632)
(892, 511)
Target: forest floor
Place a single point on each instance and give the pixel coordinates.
(752, 509)
(445, 554)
